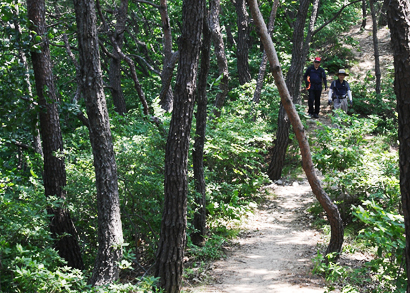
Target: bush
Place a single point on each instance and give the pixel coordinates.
(354, 166)
(234, 157)
(384, 231)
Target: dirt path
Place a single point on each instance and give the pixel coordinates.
(275, 252)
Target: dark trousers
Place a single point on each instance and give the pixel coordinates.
(314, 97)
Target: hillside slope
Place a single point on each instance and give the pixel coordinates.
(275, 251)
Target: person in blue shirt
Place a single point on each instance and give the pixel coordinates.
(340, 91)
(314, 77)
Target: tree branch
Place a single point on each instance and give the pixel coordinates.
(167, 74)
(127, 59)
(148, 2)
(333, 18)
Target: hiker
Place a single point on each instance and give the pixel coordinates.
(339, 92)
(314, 76)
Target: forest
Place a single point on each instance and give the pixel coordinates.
(135, 134)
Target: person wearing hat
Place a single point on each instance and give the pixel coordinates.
(314, 76)
(339, 92)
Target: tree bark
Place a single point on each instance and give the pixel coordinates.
(115, 64)
(110, 237)
(242, 52)
(293, 81)
(170, 253)
(23, 59)
(219, 50)
(198, 153)
(398, 15)
(376, 49)
(336, 240)
(364, 14)
(230, 40)
(167, 99)
(54, 176)
(262, 67)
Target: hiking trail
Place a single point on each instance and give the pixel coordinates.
(275, 250)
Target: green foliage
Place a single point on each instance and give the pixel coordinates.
(335, 274)
(337, 148)
(367, 103)
(29, 261)
(329, 42)
(235, 150)
(362, 177)
(384, 231)
(337, 59)
(234, 157)
(354, 164)
(212, 250)
(139, 147)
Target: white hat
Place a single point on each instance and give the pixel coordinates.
(342, 71)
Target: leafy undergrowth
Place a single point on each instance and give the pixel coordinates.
(361, 176)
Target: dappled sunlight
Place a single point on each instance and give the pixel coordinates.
(254, 256)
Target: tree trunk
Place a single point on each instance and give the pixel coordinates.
(219, 51)
(168, 98)
(115, 65)
(336, 239)
(398, 15)
(376, 48)
(215, 7)
(293, 81)
(242, 52)
(230, 40)
(198, 152)
(170, 253)
(262, 67)
(110, 236)
(23, 59)
(54, 175)
(364, 14)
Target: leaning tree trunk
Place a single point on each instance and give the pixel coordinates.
(198, 153)
(115, 65)
(336, 239)
(293, 81)
(171, 246)
(376, 48)
(54, 176)
(398, 15)
(219, 51)
(110, 237)
(242, 52)
(262, 67)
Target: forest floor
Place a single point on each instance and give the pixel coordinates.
(275, 250)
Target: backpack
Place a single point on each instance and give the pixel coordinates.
(334, 96)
